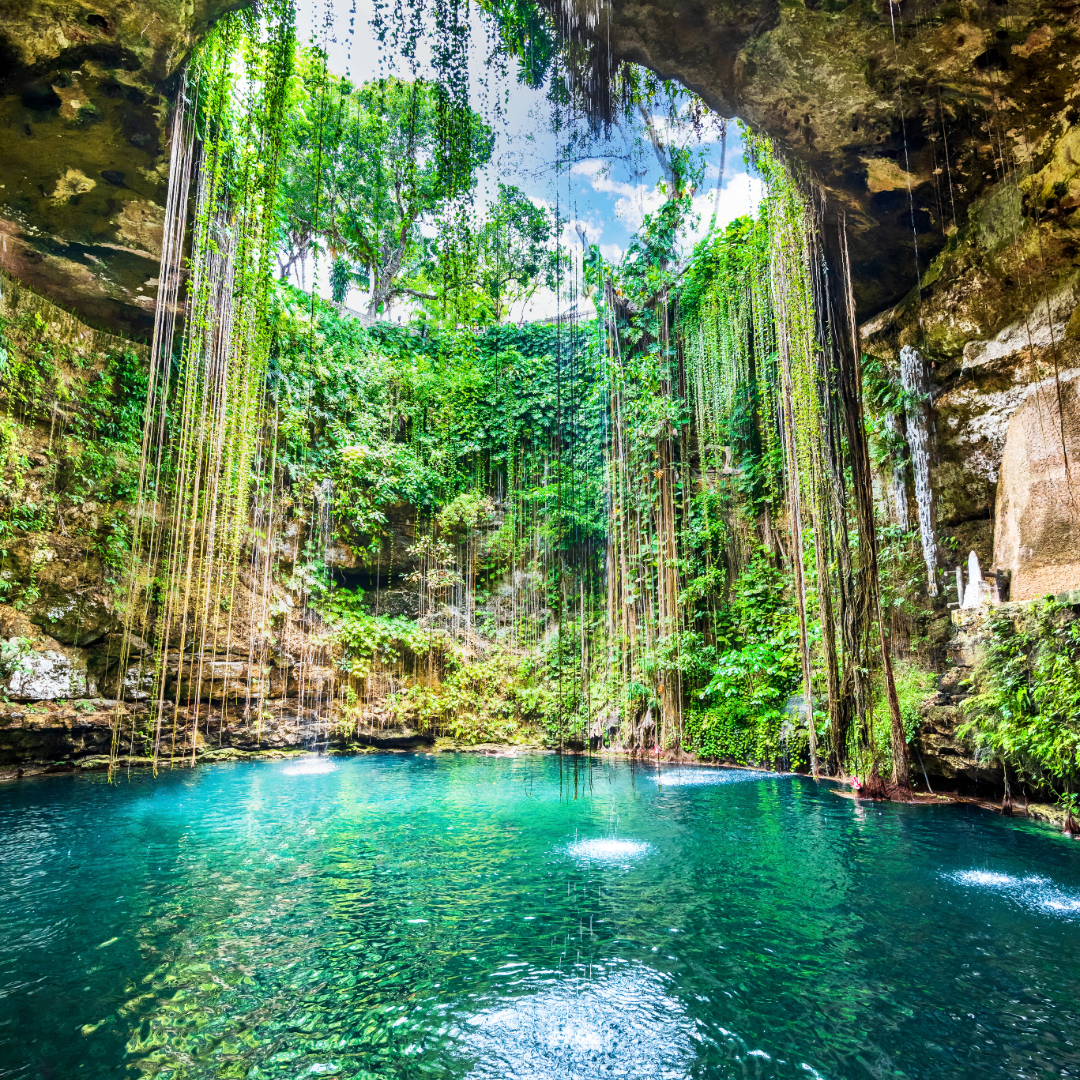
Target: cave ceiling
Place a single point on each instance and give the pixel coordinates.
(903, 119)
(84, 106)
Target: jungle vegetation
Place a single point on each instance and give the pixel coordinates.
(654, 528)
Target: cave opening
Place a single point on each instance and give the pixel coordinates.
(541, 537)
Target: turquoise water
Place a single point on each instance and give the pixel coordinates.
(400, 916)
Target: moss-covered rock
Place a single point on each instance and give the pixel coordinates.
(85, 91)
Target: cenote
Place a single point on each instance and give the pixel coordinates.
(463, 916)
(538, 539)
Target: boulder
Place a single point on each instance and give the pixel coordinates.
(74, 619)
(950, 762)
(49, 676)
(136, 684)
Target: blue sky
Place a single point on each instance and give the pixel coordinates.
(601, 195)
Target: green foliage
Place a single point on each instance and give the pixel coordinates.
(418, 415)
(12, 655)
(913, 684)
(465, 513)
(729, 339)
(754, 665)
(506, 259)
(73, 430)
(489, 700)
(756, 739)
(362, 640)
(367, 165)
(342, 278)
(525, 32)
(1026, 711)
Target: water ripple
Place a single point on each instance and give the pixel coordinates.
(1033, 891)
(459, 917)
(695, 777)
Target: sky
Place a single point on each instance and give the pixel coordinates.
(601, 195)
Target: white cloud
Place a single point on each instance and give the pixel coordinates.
(681, 130)
(739, 196)
(634, 201)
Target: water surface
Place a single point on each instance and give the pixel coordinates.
(451, 916)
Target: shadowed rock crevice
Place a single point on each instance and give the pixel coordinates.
(85, 95)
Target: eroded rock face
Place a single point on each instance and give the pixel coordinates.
(996, 317)
(85, 89)
(905, 115)
(1038, 498)
(74, 619)
(49, 676)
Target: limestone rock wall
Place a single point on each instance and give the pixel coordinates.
(1037, 538)
(85, 92)
(996, 317)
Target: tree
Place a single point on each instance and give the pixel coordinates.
(477, 274)
(407, 152)
(516, 256)
(368, 166)
(312, 135)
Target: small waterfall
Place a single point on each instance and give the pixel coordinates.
(324, 502)
(916, 381)
(313, 702)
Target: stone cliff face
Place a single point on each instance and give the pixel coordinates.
(84, 102)
(1037, 540)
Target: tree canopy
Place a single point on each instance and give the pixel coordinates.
(370, 170)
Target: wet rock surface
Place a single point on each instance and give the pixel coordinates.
(85, 92)
(50, 737)
(1038, 498)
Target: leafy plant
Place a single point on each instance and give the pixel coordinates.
(1026, 711)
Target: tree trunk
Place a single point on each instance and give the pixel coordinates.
(849, 355)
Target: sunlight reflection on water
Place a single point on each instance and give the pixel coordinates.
(607, 847)
(622, 1023)
(318, 766)
(693, 777)
(1032, 891)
